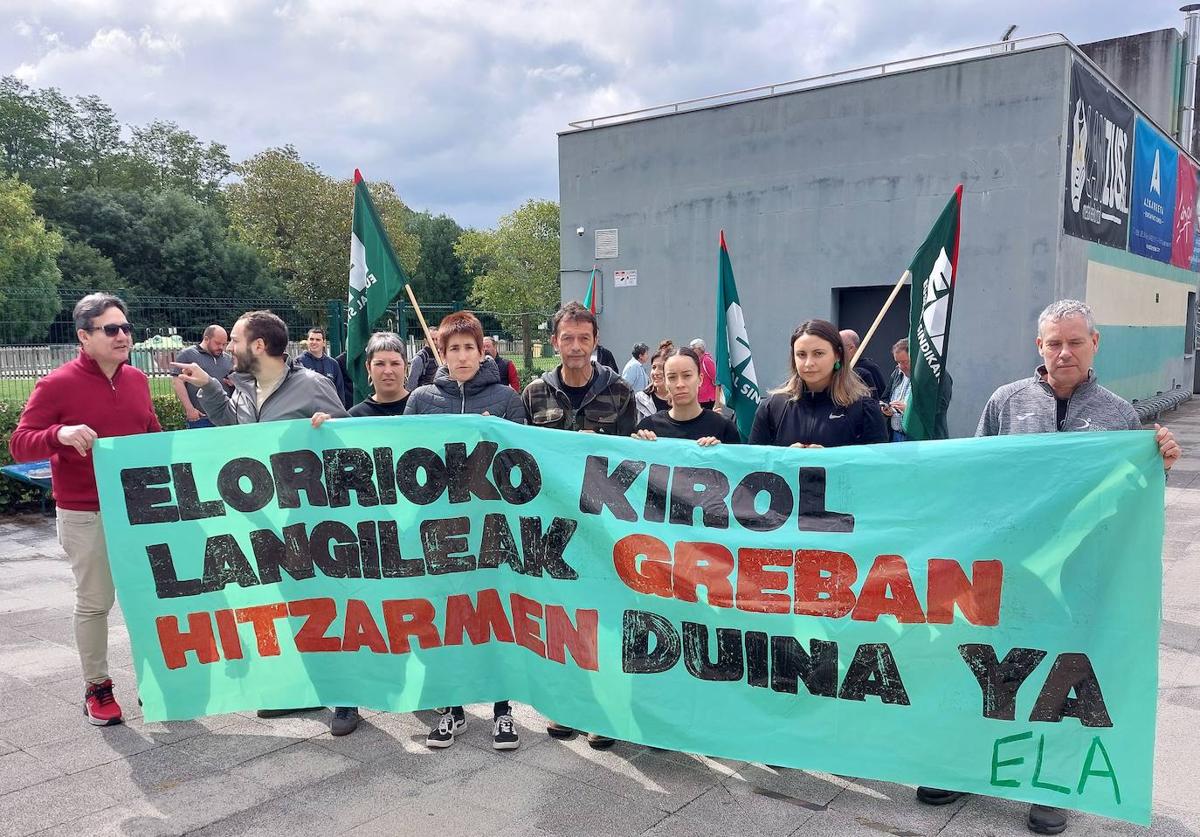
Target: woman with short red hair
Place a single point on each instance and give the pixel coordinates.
(468, 382)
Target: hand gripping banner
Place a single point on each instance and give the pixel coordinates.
(974, 614)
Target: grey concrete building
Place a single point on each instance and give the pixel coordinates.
(825, 188)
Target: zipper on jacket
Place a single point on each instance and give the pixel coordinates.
(462, 391)
(254, 404)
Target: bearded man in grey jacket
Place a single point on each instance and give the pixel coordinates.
(267, 386)
(1062, 395)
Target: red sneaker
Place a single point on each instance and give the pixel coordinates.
(100, 706)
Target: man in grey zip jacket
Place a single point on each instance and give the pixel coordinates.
(266, 385)
(1062, 396)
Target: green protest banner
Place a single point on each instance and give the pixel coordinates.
(974, 614)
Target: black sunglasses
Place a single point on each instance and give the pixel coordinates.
(111, 329)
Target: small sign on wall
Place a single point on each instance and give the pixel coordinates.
(606, 244)
(624, 278)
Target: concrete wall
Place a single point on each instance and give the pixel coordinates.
(1147, 67)
(829, 188)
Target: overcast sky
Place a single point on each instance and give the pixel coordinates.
(458, 103)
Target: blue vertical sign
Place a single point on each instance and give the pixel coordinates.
(1152, 215)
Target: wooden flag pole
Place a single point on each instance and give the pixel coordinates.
(421, 318)
(871, 332)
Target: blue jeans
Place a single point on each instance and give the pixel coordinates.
(899, 436)
(198, 423)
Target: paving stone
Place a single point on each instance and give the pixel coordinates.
(91, 747)
(294, 767)
(193, 804)
(519, 829)
(809, 788)
(20, 770)
(509, 787)
(360, 795)
(232, 745)
(148, 774)
(38, 661)
(735, 808)
(893, 806)
(280, 816)
(172, 732)
(52, 721)
(1168, 822)
(49, 803)
(663, 783)
(132, 819)
(590, 810)
(432, 815)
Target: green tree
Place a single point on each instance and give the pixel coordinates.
(515, 267)
(167, 244)
(299, 218)
(23, 128)
(29, 274)
(165, 156)
(86, 268)
(98, 138)
(439, 276)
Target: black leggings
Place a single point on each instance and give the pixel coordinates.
(499, 708)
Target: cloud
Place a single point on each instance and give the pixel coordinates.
(112, 56)
(458, 103)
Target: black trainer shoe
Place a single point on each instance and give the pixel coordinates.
(504, 733)
(279, 713)
(557, 730)
(345, 720)
(1046, 820)
(937, 796)
(599, 742)
(442, 735)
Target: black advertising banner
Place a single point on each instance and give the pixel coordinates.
(1099, 162)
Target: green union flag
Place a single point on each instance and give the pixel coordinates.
(934, 270)
(376, 279)
(735, 362)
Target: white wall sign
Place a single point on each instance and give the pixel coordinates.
(624, 278)
(606, 244)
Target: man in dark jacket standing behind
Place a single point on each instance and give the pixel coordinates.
(580, 394)
(316, 359)
(96, 395)
(866, 368)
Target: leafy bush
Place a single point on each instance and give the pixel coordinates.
(169, 411)
(528, 376)
(14, 496)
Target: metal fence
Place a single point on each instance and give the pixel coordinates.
(163, 325)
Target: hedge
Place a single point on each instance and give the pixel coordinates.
(16, 496)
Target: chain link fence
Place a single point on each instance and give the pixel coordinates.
(164, 325)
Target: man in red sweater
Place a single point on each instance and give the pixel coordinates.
(96, 395)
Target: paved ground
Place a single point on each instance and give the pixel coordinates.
(235, 774)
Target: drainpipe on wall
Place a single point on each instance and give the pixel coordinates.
(1187, 110)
